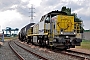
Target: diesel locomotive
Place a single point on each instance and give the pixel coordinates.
(55, 29)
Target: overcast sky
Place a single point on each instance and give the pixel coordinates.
(15, 13)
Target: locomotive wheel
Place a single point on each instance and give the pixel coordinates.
(38, 41)
(27, 41)
(31, 40)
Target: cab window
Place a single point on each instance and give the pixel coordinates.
(47, 20)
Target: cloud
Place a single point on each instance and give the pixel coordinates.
(49, 2)
(5, 4)
(24, 10)
(10, 18)
(19, 10)
(86, 24)
(85, 11)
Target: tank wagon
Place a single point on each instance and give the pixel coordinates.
(55, 29)
(23, 32)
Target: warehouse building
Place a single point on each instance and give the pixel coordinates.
(86, 35)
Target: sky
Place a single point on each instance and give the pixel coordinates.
(15, 13)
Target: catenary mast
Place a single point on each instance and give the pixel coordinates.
(31, 14)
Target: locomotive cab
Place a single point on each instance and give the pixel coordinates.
(59, 30)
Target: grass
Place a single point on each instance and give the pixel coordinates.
(85, 44)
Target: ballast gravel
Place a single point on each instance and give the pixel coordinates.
(6, 53)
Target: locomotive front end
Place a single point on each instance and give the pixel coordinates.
(64, 33)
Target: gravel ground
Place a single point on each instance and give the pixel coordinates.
(6, 52)
(49, 55)
(24, 53)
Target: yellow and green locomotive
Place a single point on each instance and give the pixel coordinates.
(56, 29)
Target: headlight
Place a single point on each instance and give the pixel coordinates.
(74, 32)
(61, 32)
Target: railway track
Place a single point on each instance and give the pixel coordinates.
(28, 51)
(17, 54)
(75, 55)
(80, 55)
